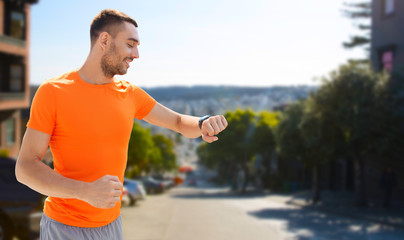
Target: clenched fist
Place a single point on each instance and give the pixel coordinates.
(104, 192)
(213, 126)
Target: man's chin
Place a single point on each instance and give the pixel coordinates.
(123, 72)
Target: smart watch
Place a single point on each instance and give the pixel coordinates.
(202, 119)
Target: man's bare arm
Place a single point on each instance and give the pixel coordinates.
(185, 124)
(31, 171)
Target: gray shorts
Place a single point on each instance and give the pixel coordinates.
(54, 230)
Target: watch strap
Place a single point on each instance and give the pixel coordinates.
(202, 119)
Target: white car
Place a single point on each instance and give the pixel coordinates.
(135, 189)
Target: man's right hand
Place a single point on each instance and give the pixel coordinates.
(104, 192)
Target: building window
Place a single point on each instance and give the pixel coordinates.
(17, 25)
(10, 131)
(16, 77)
(14, 19)
(387, 60)
(388, 6)
(12, 73)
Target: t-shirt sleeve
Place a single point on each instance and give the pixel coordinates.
(144, 103)
(43, 111)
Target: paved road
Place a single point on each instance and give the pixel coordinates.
(211, 214)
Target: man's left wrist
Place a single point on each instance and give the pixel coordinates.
(202, 119)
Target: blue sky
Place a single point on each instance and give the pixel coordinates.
(210, 42)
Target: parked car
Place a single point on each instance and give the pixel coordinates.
(152, 186)
(167, 182)
(17, 202)
(135, 189)
(125, 201)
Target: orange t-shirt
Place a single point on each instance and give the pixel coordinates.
(90, 127)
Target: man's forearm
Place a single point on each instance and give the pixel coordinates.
(41, 178)
(187, 125)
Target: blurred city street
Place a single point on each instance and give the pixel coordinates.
(295, 134)
(211, 213)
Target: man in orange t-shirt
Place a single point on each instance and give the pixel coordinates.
(86, 117)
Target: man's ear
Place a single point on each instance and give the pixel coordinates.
(104, 40)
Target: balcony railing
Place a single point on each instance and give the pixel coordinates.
(13, 41)
(7, 96)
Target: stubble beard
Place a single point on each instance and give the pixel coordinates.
(111, 65)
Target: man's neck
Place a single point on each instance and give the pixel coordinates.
(91, 72)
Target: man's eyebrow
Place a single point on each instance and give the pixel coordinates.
(133, 39)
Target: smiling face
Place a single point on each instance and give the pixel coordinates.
(121, 51)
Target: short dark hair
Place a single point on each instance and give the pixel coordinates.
(105, 20)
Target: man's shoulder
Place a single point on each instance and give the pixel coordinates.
(60, 81)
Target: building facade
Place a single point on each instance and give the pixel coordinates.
(14, 70)
(387, 44)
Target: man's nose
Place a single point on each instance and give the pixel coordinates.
(135, 53)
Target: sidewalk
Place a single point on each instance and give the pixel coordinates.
(342, 203)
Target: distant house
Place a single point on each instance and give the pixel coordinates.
(14, 70)
(387, 46)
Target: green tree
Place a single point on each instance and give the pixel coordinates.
(390, 103)
(298, 136)
(361, 14)
(239, 141)
(211, 157)
(308, 134)
(289, 139)
(147, 153)
(263, 140)
(140, 151)
(233, 152)
(155, 164)
(320, 135)
(168, 156)
(350, 91)
(352, 115)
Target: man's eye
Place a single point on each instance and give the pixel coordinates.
(130, 46)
